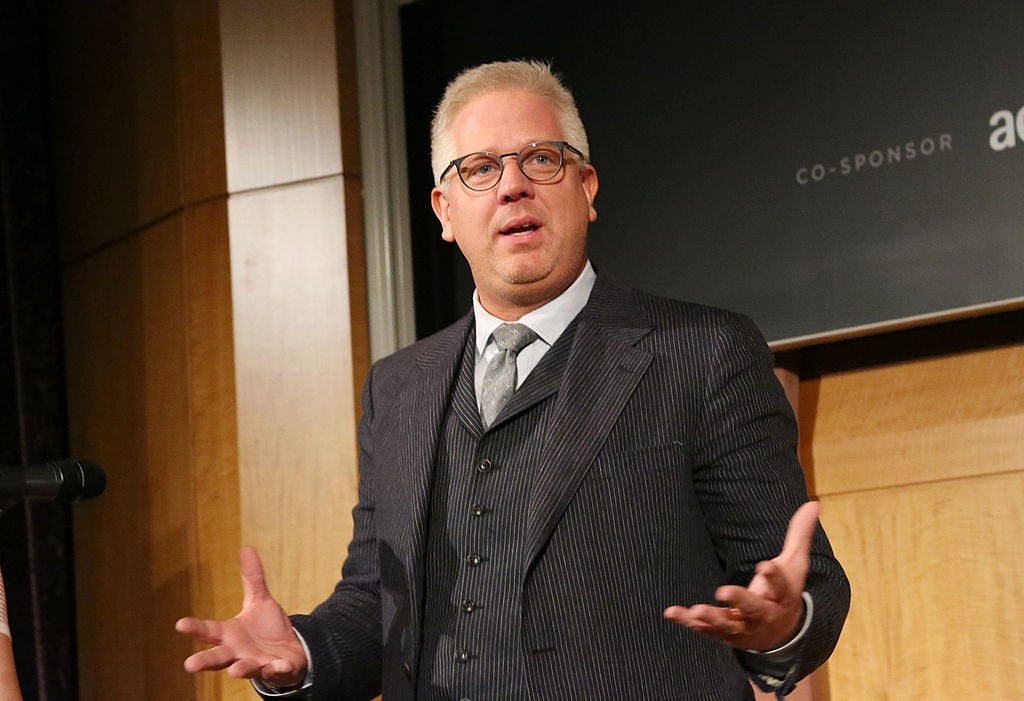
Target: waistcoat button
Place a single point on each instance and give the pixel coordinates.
(468, 605)
(484, 465)
(474, 559)
(461, 655)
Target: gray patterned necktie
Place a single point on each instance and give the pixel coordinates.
(500, 378)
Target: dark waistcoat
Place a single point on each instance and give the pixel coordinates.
(472, 644)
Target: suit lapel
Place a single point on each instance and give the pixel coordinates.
(603, 370)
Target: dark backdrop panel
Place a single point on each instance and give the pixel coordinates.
(35, 536)
(819, 166)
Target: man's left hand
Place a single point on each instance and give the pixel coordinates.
(766, 614)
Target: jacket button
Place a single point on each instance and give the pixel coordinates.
(484, 465)
(461, 655)
(407, 670)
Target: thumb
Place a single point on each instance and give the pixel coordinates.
(254, 582)
(797, 546)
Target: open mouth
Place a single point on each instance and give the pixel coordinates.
(520, 226)
(524, 229)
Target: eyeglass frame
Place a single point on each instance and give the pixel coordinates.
(562, 145)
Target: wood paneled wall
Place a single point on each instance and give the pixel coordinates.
(209, 194)
(215, 322)
(918, 462)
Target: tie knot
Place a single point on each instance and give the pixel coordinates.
(513, 337)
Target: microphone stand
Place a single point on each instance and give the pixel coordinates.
(91, 482)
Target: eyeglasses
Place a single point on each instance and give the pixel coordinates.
(540, 161)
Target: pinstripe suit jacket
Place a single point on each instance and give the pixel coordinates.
(670, 467)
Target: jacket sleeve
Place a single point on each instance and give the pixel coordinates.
(750, 483)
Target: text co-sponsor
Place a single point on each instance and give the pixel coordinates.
(875, 159)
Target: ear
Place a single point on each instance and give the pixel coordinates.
(442, 210)
(588, 180)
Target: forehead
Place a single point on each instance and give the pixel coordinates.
(504, 120)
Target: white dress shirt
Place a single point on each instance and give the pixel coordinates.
(547, 321)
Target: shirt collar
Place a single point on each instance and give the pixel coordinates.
(548, 320)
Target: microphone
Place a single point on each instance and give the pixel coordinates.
(63, 480)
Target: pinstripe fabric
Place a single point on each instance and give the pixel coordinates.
(472, 643)
(668, 466)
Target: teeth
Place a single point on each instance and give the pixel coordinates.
(520, 229)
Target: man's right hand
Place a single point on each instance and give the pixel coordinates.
(258, 643)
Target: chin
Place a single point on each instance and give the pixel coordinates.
(537, 291)
(523, 275)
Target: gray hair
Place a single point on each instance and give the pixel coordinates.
(528, 75)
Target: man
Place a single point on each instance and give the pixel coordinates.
(535, 547)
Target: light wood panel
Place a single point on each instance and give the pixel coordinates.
(931, 419)
(151, 397)
(216, 509)
(919, 466)
(148, 323)
(281, 111)
(937, 572)
(288, 84)
(159, 333)
(127, 413)
(296, 415)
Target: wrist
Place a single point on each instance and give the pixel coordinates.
(803, 623)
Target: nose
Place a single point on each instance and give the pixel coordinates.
(513, 185)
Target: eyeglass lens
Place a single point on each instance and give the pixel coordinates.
(538, 162)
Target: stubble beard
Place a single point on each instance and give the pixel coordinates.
(521, 278)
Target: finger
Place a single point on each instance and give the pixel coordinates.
(188, 626)
(797, 545)
(215, 658)
(254, 582)
(245, 669)
(716, 621)
(202, 630)
(281, 672)
(738, 597)
(278, 671)
(701, 617)
(741, 605)
(687, 615)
